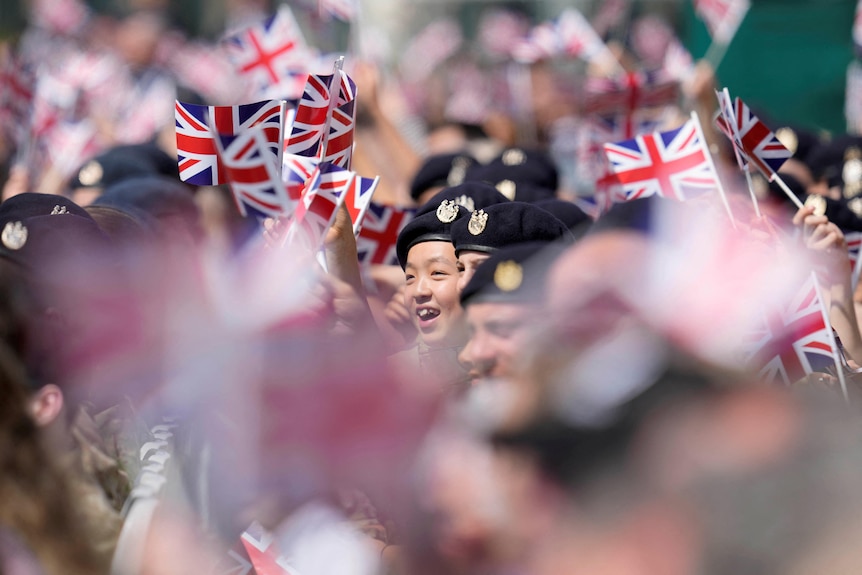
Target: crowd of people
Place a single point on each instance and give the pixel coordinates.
(543, 384)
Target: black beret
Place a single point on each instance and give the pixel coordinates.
(515, 274)
(154, 195)
(634, 216)
(429, 227)
(565, 211)
(470, 195)
(520, 166)
(440, 170)
(29, 205)
(501, 225)
(114, 165)
(40, 241)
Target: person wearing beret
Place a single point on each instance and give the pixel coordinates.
(425, 252)
(470, 195)
(501, 302)
(495, 227)
(438, 172)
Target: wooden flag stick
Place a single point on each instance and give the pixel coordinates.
(777, 179)
(696, 120)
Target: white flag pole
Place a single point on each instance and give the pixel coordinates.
(726, 104)
(696, 120)
(777, 179)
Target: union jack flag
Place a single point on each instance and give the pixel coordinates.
(569, 34)
(358, 198)
(794, 339)
(17, 86)
(722, 17)
(271, 55)
(252, 171)
(627, 96)
(296, 171)
(578, 39)
(606, 192)
(316, 212)
(674, 164)
(379, 234)
(753, 140)
(198, 161)
(315, 114)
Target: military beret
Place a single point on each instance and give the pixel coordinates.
(440, 170)
(29, 205)
(153, 195)
(634, 216)
(112, 166)
(519, 166)
(565, 211)
(470, 195)
(429, 227)
(515, 274)
(501, 225)
(39, 241)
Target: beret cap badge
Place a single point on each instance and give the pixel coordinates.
(14, 235)
(447, 211)
(477, 222)
(91, 173)
(508, 276)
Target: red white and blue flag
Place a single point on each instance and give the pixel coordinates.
(795, 339)
(323, 126)
(722, 17)
(753, 140)
(316, 211)
(379, 233)
(674, 164)
(271, 56)
(358, 198)
(196, 148)
(296, 171)
(253, 173)
(629, 97)
(568, 35)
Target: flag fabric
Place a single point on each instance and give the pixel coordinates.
(725, 121)
(854, 247)
(323, 125)
(196, 148)
(568, 35)
(794, 339)
(252, 171)
(754, 141)
(722, 17)
(630, 96)
(357, 199)
(296, 171)
(578, 39)
(379, 233)
(673, 164)
(678, 62)
(316, 211)
(270, 55)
